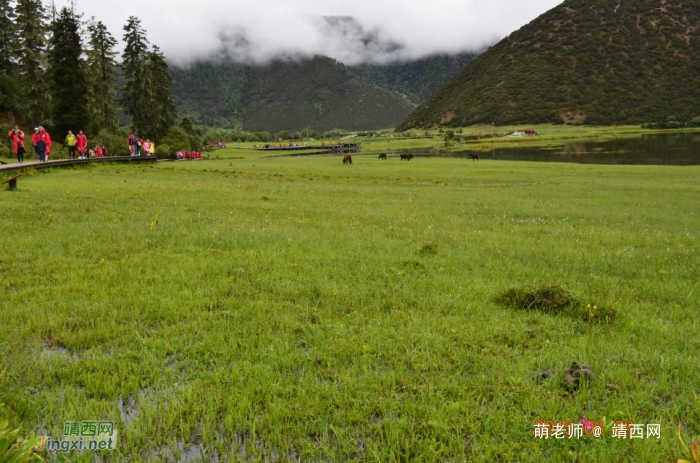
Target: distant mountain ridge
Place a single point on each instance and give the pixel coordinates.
(318, 93)
(594, 62)
(416, 79)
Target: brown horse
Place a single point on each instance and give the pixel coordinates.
(475, 157)
(347, 159)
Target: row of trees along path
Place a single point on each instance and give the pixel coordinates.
(50, 77)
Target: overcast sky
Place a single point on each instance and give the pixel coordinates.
(263, 29)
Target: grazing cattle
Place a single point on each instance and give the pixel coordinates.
(475, 157)
(382, 156)
(407, 157)
(347, 159)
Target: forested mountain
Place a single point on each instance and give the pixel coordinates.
(594, 62)
(415, 80)
(319, 93)
(210, 93)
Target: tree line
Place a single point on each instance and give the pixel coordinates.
(61, 72)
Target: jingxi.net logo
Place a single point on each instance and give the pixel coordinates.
(82, 435)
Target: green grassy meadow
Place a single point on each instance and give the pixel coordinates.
(295, 309)
(549, 136)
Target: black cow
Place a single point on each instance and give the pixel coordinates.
(382, 156)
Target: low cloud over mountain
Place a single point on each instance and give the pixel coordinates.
(380, 31)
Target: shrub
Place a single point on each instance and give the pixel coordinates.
(115, 143)
(13, 447)
(5, 151)
(164, 151)
(176, 139)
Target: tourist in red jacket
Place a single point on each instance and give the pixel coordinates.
(82, 144)
(131, 141)
(17, 137)
(35, 139)
(43, 144)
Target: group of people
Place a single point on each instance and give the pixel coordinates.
(138, 146)
(40, 139)
(77, 147)
(188, 155)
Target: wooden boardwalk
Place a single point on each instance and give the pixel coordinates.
(334, 148)
(15, 166)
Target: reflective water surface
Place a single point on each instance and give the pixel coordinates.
(669, 149)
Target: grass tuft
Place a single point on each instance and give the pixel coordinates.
(546, 299)
(428, 250)
(555, 300)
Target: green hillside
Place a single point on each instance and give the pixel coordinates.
(285, 95)
(593, 62)
(415, 80)
(210, 93)
(319, 93)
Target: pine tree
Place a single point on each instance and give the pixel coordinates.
(187, 125)
(160, 107)
(31, 24)
(68, 84)
(8, 38)
(147, 98)
(135, 58)
(102, 85)
(9, 46)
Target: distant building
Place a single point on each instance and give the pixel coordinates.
(523, 133)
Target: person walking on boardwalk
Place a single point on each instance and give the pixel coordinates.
(35, 140)
(82, 145)
(17, 138)
(43, 144)
(71, 143)
(131, 141)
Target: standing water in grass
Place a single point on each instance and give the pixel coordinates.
(663, 149)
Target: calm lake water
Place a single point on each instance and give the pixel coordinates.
(666, 149)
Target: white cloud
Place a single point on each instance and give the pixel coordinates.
(191, 29)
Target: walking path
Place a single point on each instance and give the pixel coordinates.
(15, 166)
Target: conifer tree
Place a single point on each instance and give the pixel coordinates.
(68, 84)
(187, 125)
(147, 97)
(31, 27)
(9, 47)
(135, 58)
(160, 107)
(102, 85)
(8, 38)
